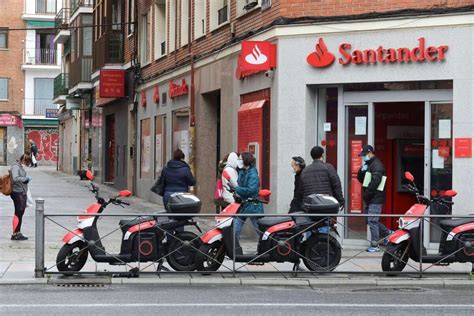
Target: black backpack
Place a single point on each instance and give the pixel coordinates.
(159, 186)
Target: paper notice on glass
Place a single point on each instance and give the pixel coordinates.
(360, 125)
(444, 129)
(327, 127)
(437, 162)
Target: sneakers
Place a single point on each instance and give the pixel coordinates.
(373, 249)
(385, 240)
(19, 237)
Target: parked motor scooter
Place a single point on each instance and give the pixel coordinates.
(456, 242)
(284, 239)
(145, 239)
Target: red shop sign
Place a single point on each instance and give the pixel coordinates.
(178, 90)
(463, 147)
(143, 98)
(112, 83)
(8, 120)
(256, 56)
(156, 95)
(323, 57)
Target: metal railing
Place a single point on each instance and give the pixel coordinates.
(281, 244)
(62, 20)
(39, 105)
(76, 4)
(61, 85)
(80, 71)
(40, 56)
(45, 7)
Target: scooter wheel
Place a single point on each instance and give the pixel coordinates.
(182, 251)
(395, 257)
(322, 253)
(210, 257)
(72, 258)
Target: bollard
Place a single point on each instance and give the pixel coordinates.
(39, 239)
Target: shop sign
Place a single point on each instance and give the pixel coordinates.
(51, 113)
(463, 147)
(322, 57)
(143, 98)
(256, 56)
(156, 95)
(112, 83)
(176, 90)
(8, 120)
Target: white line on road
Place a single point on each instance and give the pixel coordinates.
(427, 306)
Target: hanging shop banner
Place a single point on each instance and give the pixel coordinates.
(176, 90)
(112, 83)
(8, 120)
(463, 147)
(156, 95)
(356, 187)
(256, 56)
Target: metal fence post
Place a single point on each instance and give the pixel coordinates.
(39, 239)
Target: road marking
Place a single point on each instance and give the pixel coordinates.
(429, 306)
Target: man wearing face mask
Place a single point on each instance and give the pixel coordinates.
(374, 196)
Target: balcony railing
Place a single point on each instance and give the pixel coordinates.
(38, 105)
(80, 71)
(61, 85)
(108, 50)
(76, 4)
(45, 7)
(62, 19)
(39, 56)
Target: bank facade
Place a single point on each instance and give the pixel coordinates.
(402, 85)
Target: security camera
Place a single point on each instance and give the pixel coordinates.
(269, 73)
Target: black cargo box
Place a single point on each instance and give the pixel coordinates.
(185, 203)
(320, 204)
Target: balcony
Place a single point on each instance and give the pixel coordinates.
(34, 58)
(108, 50)
(80, 74)
(61, 88)
(61, 23)
(38, 106)
(78, 4)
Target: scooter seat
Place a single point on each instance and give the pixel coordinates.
(451, 223)
(125, 224)
(270, 221)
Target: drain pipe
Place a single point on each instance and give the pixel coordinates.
(192, 121)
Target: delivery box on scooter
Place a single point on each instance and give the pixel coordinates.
(320, 204)
(185, 203)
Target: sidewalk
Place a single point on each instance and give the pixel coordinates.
(67, 194)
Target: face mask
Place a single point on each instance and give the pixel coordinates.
(365, 158)
(240, 164)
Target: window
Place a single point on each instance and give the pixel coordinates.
(160, 30)
(181, 132)
(145, 149)
(172, 19)
(184, 22)
(244, 6)
(44, 91)
(87, 36)
(160, 143)
(117, 16)
(3, 88)
(219, 13)
(3, 38)
(145, 39)
(131, 16)
(199, 18)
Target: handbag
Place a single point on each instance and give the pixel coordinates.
(6, 184)
(159, 186)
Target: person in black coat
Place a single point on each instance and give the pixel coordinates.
(178, 176)
(374, 197)
(298, 164)
(321, 177)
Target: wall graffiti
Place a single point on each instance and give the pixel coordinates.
(47, 141)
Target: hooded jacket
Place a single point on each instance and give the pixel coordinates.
(249, 188)
(231, 171)
(178, 176)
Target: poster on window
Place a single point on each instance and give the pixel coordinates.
(145, 141)
(158, 152)
(181, 141)
(355, 186)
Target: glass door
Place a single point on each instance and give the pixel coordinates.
(357, 135)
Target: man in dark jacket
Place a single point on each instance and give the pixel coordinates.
(321, 177)
(374, 194)
(298, 164)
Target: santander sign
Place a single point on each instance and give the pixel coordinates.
(322, 57)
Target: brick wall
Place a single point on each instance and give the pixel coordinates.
(256, 19)
(12, 58)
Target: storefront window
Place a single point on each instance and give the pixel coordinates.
(160, 144)
(145, 146)
(181, 132)
(441, 160)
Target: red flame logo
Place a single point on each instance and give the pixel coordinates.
(321, 57)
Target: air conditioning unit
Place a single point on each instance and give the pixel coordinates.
(250, 4)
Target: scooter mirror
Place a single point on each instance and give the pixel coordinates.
(265, 193)
(125, 193)
(409, 176)
(89, 175)
(449, 193)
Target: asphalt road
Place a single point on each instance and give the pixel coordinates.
(232, 300)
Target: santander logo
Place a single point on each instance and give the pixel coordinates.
(256, 57)
(321, 57)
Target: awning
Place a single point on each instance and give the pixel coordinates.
(48, 24)
(252, 105)
(40, 122)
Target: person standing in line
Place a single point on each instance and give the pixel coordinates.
(34, 153)
(177, 176)
(20, 182)
(373, 196)
(219, 201)
(231, 172)
(298, 164)
(321, 177)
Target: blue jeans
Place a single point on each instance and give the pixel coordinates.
(375, 226)
(239, 222)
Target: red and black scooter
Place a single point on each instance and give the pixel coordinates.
(456, 241)
(284, 239)
(144, 239)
